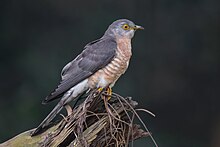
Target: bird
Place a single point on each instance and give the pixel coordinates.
(99, 65)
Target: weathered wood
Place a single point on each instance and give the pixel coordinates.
(97, 121)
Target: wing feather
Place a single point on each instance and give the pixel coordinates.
(95, 56)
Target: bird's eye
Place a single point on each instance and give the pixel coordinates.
(125, 27)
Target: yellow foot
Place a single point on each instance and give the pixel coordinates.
(108, 93)
(100, 90)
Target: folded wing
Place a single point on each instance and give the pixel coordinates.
(95, 56)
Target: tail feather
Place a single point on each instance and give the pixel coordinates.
(48, 119)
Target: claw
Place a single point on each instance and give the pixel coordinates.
(100, 89)
(109, 93)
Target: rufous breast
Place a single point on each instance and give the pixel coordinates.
(109, 74)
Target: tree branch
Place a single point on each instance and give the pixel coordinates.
(95, 122)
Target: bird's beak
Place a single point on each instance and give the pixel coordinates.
(136, 27)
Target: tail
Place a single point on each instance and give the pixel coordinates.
(48, 119)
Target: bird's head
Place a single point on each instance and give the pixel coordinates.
(122, 28)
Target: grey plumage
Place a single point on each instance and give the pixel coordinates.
(96, 56)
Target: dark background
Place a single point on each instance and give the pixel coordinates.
(174, 71)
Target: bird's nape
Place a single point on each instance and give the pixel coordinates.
(100, 64)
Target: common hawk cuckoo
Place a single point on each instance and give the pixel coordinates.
(99, 65)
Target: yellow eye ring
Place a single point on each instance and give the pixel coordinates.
(126, 27)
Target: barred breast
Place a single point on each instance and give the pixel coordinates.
(110, 74)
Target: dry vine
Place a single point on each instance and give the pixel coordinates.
(96, 122)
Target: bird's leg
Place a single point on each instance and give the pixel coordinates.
(69, 110)
(100, 89)
(109, 93)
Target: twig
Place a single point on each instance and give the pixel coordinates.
(97, 121)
